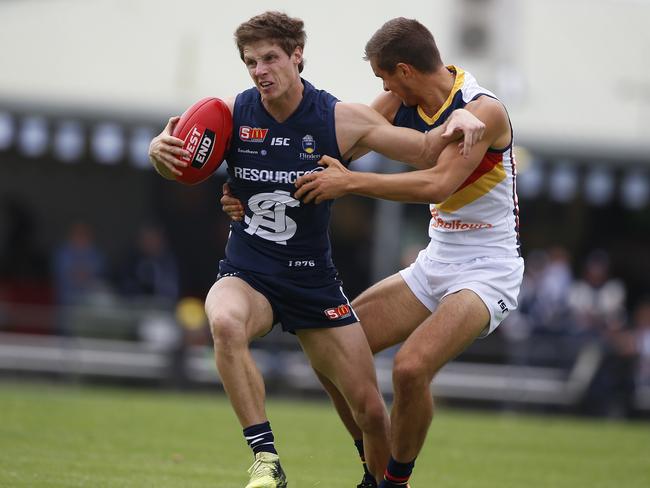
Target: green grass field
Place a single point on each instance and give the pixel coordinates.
(54, 436)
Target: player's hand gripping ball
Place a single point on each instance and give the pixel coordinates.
(206, 128)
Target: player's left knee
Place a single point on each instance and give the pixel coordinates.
(371, 413)
(410, 372)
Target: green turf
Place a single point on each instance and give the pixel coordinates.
(52, 436)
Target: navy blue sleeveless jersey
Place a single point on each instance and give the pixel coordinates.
(280, 235)
(412, 117)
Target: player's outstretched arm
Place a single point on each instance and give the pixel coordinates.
(360, 129)
(460, 121)
(386, 104)
(431, 185)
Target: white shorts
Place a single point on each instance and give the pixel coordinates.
(495, 280)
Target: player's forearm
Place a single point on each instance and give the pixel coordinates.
(420, 151)
(413, 187)
(435, 144)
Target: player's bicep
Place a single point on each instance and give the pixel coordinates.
(387, 104)
(492, 112)
(360, 128)
(353, 123)
(398, 143)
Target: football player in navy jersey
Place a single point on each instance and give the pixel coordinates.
(278, 267)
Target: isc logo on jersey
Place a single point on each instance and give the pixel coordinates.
(341, 312)
(252, 134)
(199, 142)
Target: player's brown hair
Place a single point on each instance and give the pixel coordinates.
(289, 33)
(402, 40)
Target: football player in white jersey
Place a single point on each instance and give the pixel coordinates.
(467, 279)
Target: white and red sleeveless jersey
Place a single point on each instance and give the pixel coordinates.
(481, 218)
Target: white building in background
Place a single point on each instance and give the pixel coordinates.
(575, 74)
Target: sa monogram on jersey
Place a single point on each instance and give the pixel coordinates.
(269, 220)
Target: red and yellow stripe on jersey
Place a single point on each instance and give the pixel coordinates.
(485, 177)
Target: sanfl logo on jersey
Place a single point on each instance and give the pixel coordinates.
(252, 134)
(269, 220)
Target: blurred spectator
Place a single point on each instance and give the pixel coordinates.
(557, 317)
(24, 270)
(612, 392)
(543, 305)
(555, 281)
(598, 305)
(150, 270)
(21, 258)
(540, 332)
(598, 300)
(78, 267)
(519, 325)
(641, 331)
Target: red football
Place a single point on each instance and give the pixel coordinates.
(206, 128)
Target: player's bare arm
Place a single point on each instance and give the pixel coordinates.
(166, 151)
(386, 104)
(431, 185)
(359, 128)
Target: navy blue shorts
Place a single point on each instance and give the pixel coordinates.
(315, 301)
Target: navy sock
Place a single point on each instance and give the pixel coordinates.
(260, 438)
(359, 445)
(398, 474)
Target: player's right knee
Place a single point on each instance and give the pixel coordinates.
(226, 330)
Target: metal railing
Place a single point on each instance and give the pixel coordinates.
(139, 342)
